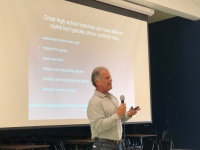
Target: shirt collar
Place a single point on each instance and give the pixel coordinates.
(101, 94)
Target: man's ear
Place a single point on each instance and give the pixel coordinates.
(97, 82)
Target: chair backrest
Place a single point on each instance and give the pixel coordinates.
(167, 135)
(58, 145)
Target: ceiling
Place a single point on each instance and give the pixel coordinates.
(165, 9)
(159, 16)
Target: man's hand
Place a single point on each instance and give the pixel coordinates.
(132, 111)
(121, 110)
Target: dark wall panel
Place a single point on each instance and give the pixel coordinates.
(175, 63)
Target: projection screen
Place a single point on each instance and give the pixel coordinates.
(48, 51)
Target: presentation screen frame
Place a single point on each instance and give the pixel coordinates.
(19, 67)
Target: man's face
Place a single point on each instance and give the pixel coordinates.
(105, 83)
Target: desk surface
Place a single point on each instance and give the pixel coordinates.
(18, 147)
(80, 141)
(141, 135)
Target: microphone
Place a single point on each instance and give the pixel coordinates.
(122, 99)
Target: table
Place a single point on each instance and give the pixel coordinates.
(22, 147)
(81, 141)
(76, 142)
(141, 136)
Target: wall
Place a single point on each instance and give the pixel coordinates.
(175, 73)
(174, 58)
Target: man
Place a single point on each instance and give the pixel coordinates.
(105, 113)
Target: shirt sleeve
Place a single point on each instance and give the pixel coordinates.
(125, 117)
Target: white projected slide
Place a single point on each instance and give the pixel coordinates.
(53, 47)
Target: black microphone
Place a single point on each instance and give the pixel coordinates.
(122, 99)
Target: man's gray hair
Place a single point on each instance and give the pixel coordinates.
(96, 74)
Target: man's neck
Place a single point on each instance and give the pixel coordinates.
(102, 91)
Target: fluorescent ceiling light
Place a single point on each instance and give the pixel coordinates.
(126, 4)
